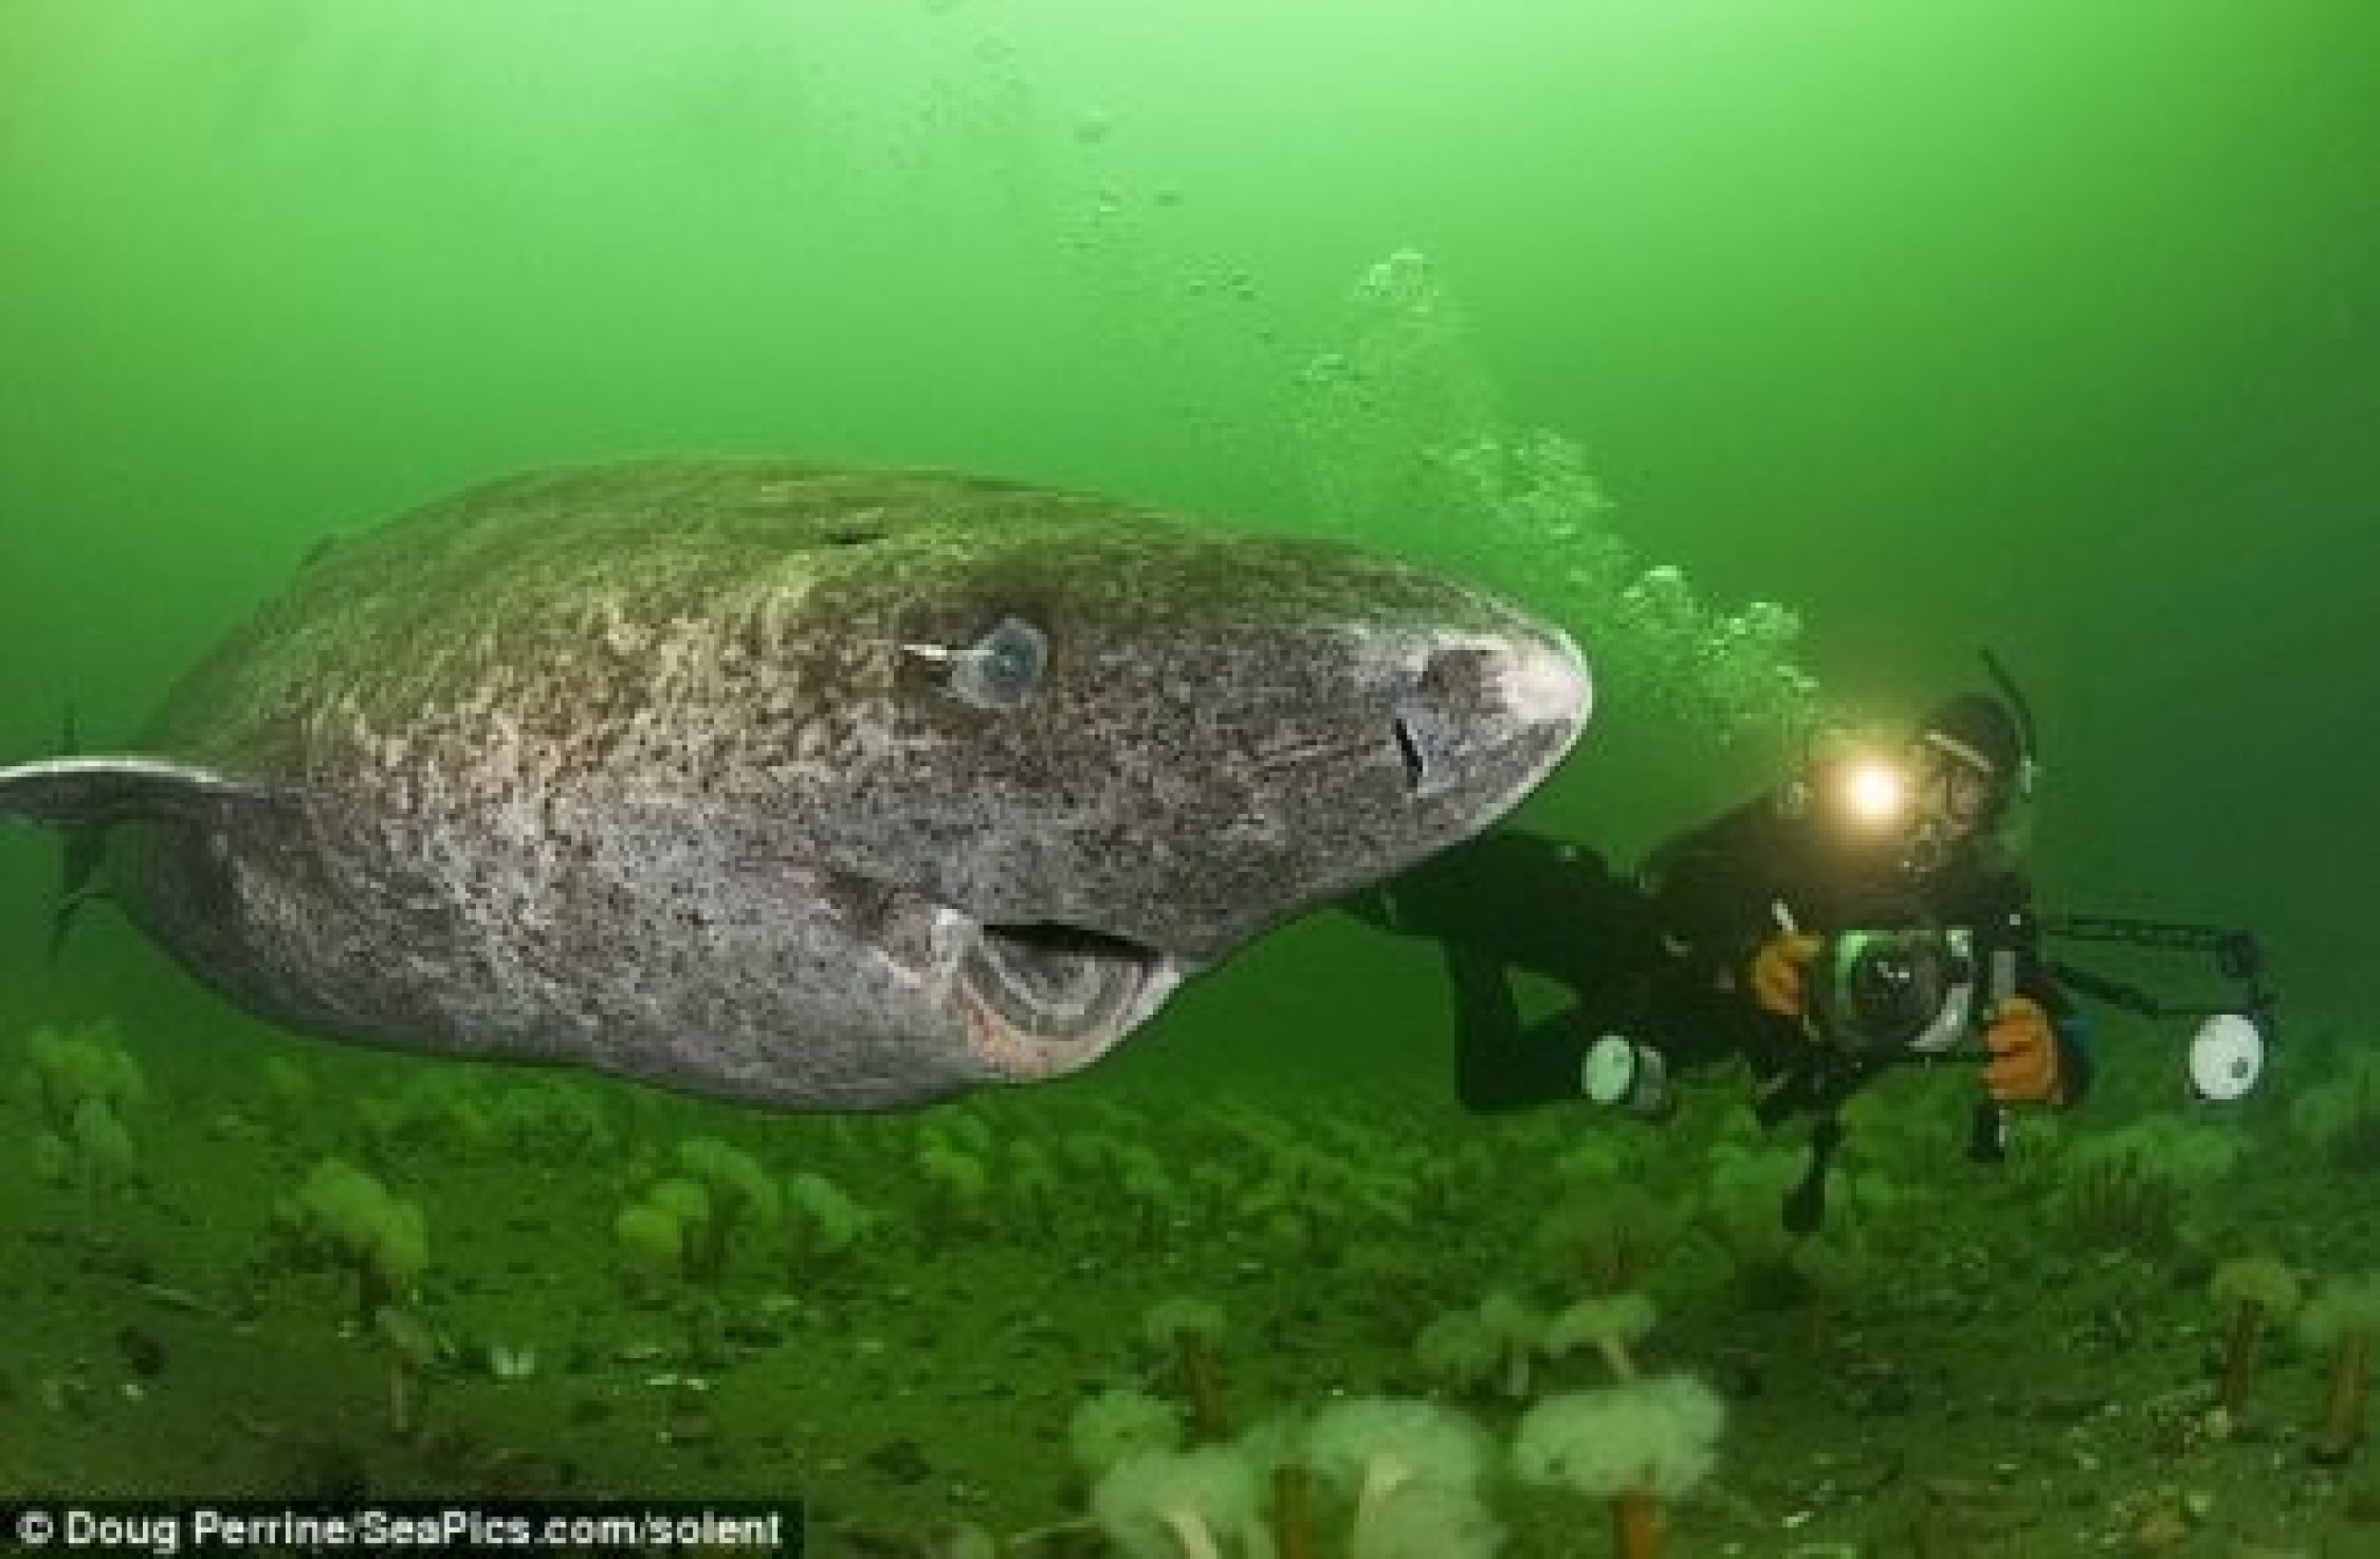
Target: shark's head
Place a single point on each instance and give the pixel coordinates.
(1113, 752)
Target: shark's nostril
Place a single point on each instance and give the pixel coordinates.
(1477, 705)
(1437, 722)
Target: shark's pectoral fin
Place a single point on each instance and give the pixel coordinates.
(83, 796)
(62, 920)
(85, 852)
(87, 793)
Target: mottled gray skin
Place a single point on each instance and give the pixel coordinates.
(666, 769)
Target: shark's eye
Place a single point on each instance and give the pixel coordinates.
(1002, 669)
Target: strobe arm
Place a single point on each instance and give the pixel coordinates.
(2237, 957)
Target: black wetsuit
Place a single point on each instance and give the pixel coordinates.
(1662, 957)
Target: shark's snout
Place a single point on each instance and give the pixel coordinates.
(1545, 682)
(1483, 704)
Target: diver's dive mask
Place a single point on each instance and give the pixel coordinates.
(1953, 795)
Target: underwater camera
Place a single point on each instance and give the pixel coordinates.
(1925, 992)
(1885, 993)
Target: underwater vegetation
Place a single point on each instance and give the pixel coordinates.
(1150, 1324)
(2130, 1188)
(82, 1086)
(2339, 1116)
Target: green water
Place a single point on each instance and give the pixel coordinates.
(2050, 327)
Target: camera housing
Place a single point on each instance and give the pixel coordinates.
(1899, 991)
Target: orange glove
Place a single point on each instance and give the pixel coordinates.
(1780, 980)
(2025, 1067)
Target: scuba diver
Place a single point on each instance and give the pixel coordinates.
(1866, 913)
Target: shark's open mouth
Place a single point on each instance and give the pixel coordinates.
(1044, 999)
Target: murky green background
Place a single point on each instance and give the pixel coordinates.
(2047, 327)
(2055, 332)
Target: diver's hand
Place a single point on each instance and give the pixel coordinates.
(1780, 980)
(2025, 1067)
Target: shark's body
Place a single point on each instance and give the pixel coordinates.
(810, 787)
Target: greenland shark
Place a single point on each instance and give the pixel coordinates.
(810, 787)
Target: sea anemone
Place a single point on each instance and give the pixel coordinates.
(650, 1237)
(736, 1188)
(1610, 1236)
(1742, 1211)
(1458, 1350)
(1518, 1329)
(1633, 1444)
(1289, 1502)
(1150, 1192)
(1829, 1268)
(826, 1222)
(957, 1182)
(1032, 1179)
(383, 1239)
(412, 1348)
(1118, 1424)
(83, 1083)
(673, 1227)
(103, 1150)
(2255, 1289)
(1188, 1328)
(2340, 1116)
(1197, 1503)
(2342, 1317)
(1609, 1325)
(86, 1062)
(1429, 1521)
(1388, 1453)
(1276, 1460)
